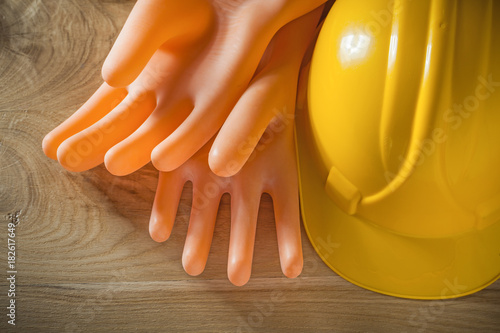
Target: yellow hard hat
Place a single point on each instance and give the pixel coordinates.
(399, 150)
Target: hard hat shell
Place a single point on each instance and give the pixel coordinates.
(399, 152)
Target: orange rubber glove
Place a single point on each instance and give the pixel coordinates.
(176, 72)
(272, 169)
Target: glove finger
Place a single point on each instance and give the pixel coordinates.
(244, 127)
(244, 211)
(287, 217)
(135, 151)
(185, 140)
(284, 191)
(200, 230)
(168, 194)
(86, 149)
(101, 103)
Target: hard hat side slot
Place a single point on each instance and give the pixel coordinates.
(342, 191)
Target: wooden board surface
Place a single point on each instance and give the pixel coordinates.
(85, 261)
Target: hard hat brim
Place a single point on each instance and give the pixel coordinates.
(385, 262)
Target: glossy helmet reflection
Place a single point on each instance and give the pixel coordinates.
(399, 152)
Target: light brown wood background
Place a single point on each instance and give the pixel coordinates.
(84, 257)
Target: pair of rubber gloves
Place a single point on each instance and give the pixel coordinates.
(206, 90)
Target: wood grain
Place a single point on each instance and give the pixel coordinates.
(84, 258)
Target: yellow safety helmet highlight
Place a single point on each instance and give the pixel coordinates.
(399, 152)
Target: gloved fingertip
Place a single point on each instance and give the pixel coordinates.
(49, 147)
(292, 266)
(70, 158)
(220, 166)
(160, 161)
(193, 264)
(239, 272)
(112, 76)
(238, 281)
(157, 230)
(114, 165)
